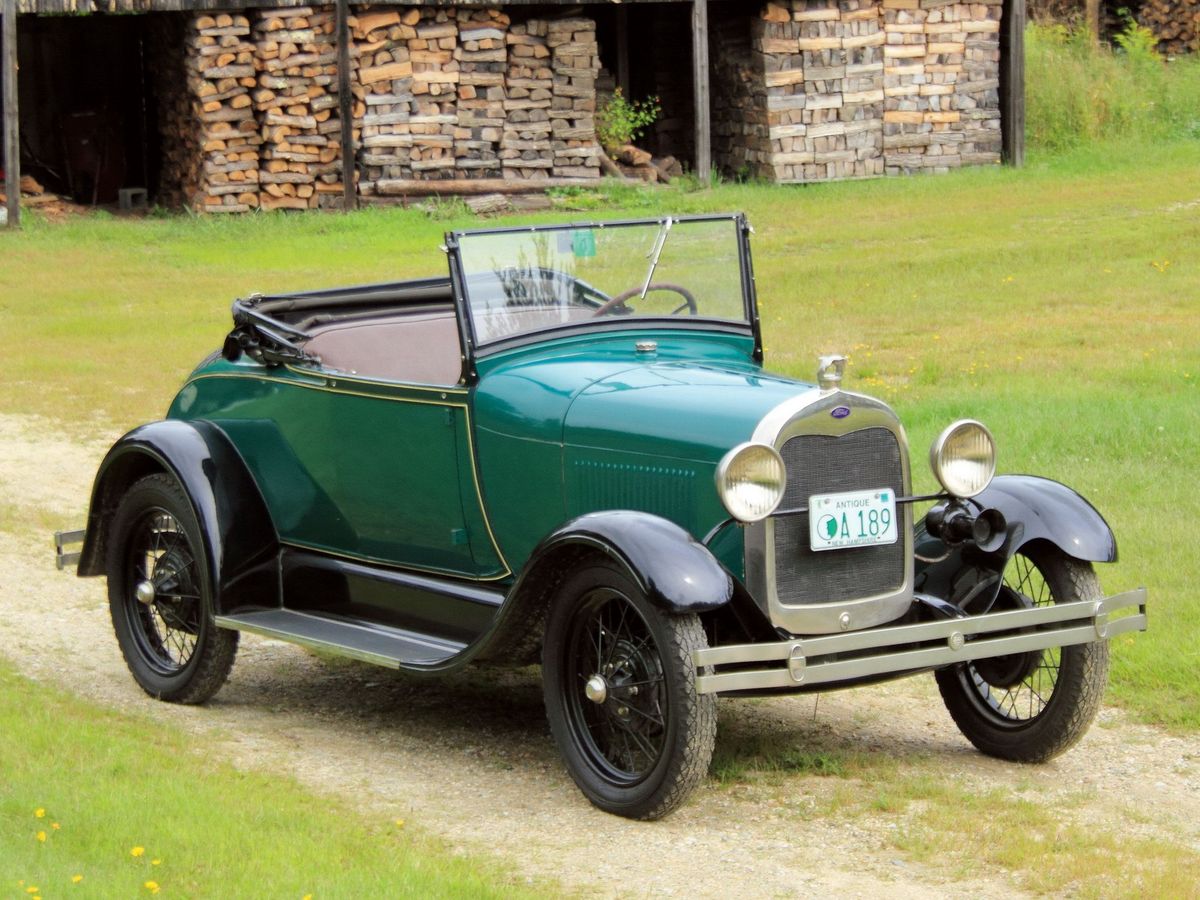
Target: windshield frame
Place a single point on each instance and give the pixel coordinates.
(476, 349)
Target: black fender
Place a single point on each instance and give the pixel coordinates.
(676, 572)
(1035, 509)
(241, 545)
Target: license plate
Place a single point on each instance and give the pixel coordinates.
(853, 519)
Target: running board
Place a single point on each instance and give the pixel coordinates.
(394, 648)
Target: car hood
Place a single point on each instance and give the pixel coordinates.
(694, 399)
(682, 410)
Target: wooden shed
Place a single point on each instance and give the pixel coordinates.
(227, 106)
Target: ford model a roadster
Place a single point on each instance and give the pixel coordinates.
(567, 450)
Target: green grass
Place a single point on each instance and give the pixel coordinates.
(1078, 93)
(1059, 304)
(107, 784)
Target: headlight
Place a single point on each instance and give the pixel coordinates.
(964, 458)
(750, 481)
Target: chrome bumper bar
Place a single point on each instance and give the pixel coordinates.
(833, 658)
(64, 541)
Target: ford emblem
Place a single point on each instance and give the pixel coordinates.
(840, 412)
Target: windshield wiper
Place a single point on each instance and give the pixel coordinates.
(655, 253)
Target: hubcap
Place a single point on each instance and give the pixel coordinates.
(596, 689)
(145, 592)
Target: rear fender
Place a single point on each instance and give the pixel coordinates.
(1035, 510)
(241, 546)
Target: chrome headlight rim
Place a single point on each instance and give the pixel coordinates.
(951, 439)
(728, 484)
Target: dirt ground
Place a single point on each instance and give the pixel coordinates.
(470, 758)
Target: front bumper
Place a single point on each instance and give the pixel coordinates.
(830, 659)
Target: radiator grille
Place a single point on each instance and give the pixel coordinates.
(821, 464)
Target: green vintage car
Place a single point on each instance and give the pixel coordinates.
(567, 450)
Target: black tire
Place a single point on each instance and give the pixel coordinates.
(1030, 707)
(640, 749)
(168, 638)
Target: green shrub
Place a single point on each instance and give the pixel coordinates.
(1077, 92)
(619, 121)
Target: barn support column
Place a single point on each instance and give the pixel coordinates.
(1012, 82)
(346, 108)
(12, 140)
(701, 89)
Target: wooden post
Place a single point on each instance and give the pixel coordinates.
(12, 141)
(700, 75)
(346, 107)
(1012, 82)
(623, 50)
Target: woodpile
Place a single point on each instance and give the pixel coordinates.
(296, 104)
(219, 58)
(942, 84)
(439, 93)
(575, 61)
(863, 88)
(1176, 24)
(482, 57)
(526, 149)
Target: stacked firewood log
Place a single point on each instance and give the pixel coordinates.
(482, 105)
(855, 88)
(384, 80)
(296, 103)
(221, 74)
(525, 149)
(575, 59)
(1176, 24)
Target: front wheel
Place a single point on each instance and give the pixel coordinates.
(160, 595)
(620, 691)
(1030, 707)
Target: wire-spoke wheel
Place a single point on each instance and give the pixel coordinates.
(620, 693)
(159, 594)
(1032, 706)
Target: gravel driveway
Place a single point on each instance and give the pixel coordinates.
(470, 758)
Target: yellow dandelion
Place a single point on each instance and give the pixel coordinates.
(55, 826)
(308, 897)
(40, 813)
(151, 886)
(41, 836)
(156, 862)
(75, 879)
(32, 889)
(137, 851)
(399, 823)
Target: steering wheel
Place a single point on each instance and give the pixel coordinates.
(689, 302)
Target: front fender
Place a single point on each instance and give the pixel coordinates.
(677, 573)
(1041, 509)
(1035, 509)
(240, 542)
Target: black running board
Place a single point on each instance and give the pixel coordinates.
(378, 644)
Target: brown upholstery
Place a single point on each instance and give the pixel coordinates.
(415, 348)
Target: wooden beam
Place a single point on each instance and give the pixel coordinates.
(346, 108)
(623, 50)
(1012, 83)
(12, 140)
(415, 187)
(701, 89)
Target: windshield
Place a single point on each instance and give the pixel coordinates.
(518, 282)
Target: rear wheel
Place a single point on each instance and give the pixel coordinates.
(1030, 707)
(620, 691)
(160, 595)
